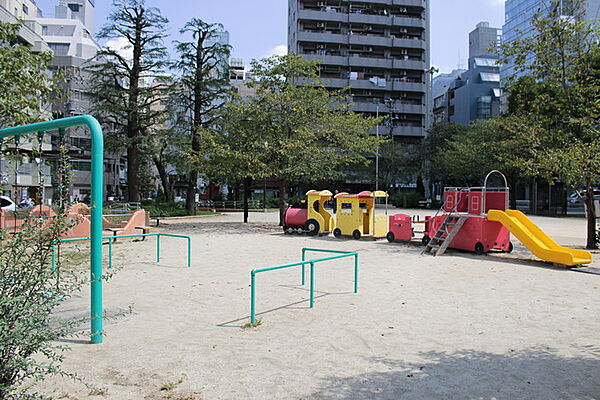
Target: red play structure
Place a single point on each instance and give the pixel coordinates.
(462, 222)
(478, 219)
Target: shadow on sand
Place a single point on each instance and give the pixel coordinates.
(241, 322)
(467, 374)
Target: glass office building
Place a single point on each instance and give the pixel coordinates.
(518, 17)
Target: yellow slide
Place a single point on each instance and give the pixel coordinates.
(536, 240)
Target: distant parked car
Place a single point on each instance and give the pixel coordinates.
(7, 204)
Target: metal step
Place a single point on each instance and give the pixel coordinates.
(451, 235)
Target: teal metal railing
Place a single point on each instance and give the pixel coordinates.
(97, 186)
(303, 263)
(111, 239)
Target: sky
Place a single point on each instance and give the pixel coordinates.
(258, 28)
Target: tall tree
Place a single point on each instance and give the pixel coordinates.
(560, 100)
(121, 83)
(236, 151)
(310, 130)
(25, 86)
(203, 86)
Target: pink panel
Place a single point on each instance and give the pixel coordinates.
(463, 201)
(495, 201)
(449, 201)
(475, 203)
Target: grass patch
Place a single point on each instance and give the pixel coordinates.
(256, 323)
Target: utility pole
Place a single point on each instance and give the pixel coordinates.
(377, 153)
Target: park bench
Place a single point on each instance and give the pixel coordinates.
(145, 229)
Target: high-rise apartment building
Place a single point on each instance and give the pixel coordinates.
(70, 35)
(378, 48)
(520, 13)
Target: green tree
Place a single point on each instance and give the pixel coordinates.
(398, 163)
(559, 102)
(202, 89)
(237, 151)
(25, 86)
(310, 131)
(121, 85)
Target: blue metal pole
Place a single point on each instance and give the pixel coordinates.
(312, 284)
(96, 309)
(189, 241)
(158, 248)
(110, 243)
(356, 273)
(252, 298)
(303, 269)
(96, 313)
(53, 258)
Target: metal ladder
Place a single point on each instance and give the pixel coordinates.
(439, 241)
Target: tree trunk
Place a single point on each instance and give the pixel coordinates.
(247, 182)
(283, 194)
(133, 182)
(190, 200)
(592, 239)
(164, 179)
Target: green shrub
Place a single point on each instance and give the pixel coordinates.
(29, 293)
(406, 200)
(170, 209)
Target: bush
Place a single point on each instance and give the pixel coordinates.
(406, 200)
(29, 293)
(170, 209)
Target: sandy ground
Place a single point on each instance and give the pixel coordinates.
(459, 326)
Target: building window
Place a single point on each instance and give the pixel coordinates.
(74, 7)
(25, 9)
(44, 30)
(489, 77)
(484, 107)
(81, 166)
(59, 49)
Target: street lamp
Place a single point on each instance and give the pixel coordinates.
(431, 71)
(390, 106)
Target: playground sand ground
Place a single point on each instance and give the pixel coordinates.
(459, 326)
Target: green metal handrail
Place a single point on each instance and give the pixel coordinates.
(97, 185)
(341, 254)
(111, 239)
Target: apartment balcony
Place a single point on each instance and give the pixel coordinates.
(409, 43)
(82, 178)
(366, 84)
(328, 60)
(370, 40)
(396, 2)
(410, 108)
(416, 3)
(409, 22)
(356, 18)
(358, 61)
(383, 108)
(408, 86)
(322, 37)
(322, 16)
(408, 64)
(414, 131)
